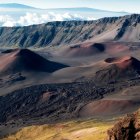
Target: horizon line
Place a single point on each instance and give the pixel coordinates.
(32, 6)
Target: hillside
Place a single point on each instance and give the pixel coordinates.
(68, 100)
(127, 128)
(19, 60)
(119, 69)
(123, 29)
(81, 129)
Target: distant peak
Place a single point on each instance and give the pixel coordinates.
(15, 5)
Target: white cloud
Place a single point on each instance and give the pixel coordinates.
(9, 24)
(6, 20)
(34, 18)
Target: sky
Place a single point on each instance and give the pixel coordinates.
(132, 6)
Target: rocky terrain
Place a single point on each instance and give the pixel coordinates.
(128, 128)
(119, 69)
(94, 73)
(51, 103)
(72, 32)
(56, 102)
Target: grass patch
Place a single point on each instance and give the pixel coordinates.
(73, 130)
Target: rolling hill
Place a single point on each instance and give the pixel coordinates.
(124, 68)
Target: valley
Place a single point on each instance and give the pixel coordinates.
(70, 80)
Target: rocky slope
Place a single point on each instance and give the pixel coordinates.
(119, 69)
(54, 102)
(127, 128)
(123, 29)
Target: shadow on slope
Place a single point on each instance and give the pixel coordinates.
(119, 69)
(80, 50)
(25, 60)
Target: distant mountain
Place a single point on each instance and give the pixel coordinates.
(78, 9)
(75, 9)
(12, 13)
(123, 29)
(16, 5)
(85, 9)
(89, 12)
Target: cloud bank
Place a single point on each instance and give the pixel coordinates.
(34, 18)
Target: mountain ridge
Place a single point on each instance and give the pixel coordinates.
(72, 32)
(86, 8)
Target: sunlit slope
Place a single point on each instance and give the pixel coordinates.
(74, 130)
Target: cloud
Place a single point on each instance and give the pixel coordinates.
(34, 18)
(6, 20)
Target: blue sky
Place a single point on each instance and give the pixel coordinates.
(132, 6)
